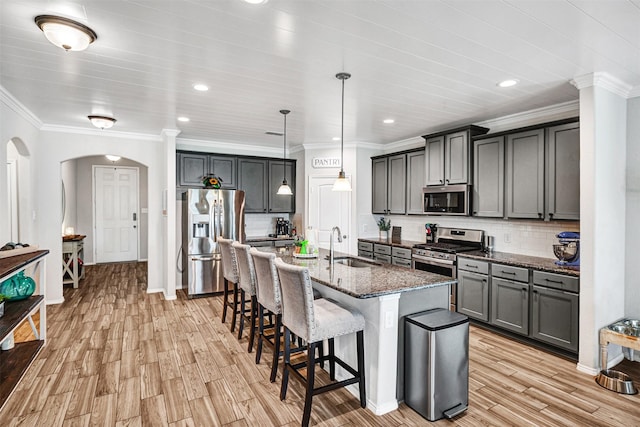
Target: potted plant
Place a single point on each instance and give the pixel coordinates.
(2, 299)
(384, 225)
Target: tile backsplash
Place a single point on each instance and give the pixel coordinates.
(526, 237)
(261, 225)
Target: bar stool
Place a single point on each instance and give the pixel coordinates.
(315, 321)
(230, 273)
(247, 276)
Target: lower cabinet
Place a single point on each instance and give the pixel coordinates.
(473, 295)
(510, 305)
(555, 317)
(365, 249)
(401, 257)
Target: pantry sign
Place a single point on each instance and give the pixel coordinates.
(325, 162)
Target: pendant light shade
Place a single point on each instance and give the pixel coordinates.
(65, 33)
(284, 189)
(342, 183)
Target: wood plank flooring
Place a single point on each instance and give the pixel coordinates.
(117, 356)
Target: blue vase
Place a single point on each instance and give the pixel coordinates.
(18, 287)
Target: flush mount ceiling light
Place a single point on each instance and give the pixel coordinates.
(388, 121)
(102, 122)
(336, 138)
(342, 183)
(284, 189)
(65, 33)
(200, 87)
(508, 83)
(112, 158)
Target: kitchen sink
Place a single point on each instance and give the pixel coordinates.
(354, 262)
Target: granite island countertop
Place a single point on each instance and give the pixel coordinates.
(363, 282)
(525, 261)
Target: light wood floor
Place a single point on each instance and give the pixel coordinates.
(117, 356)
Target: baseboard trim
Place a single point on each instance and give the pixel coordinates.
(54, 301)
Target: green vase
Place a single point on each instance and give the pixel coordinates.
(18, 287)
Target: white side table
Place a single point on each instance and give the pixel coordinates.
(71, 251)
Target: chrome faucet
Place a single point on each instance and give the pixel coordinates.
(333, 230)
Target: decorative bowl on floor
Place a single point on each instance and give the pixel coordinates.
(616, 381)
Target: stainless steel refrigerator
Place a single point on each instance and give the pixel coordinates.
(206, 216)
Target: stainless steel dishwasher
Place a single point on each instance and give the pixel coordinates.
(436, 363)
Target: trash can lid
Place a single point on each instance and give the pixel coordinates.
(438, 318)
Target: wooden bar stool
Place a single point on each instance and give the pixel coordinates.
(315, 321)
(247, 286)
(230, 273)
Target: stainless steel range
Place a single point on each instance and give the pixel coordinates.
(440, 256)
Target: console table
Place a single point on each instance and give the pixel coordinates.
(72, 271)
(15, 361)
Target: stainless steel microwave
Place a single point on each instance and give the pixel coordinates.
(447, 200)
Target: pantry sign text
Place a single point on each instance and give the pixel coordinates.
(325, 162)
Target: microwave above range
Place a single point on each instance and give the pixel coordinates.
(447, 200)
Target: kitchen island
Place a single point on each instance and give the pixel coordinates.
(384, 294)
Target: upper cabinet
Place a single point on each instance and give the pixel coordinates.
(525, 174)
(397, 182)
(538, 167)
(253, 179)
(447, 155)
(191, 168)
(563, 171)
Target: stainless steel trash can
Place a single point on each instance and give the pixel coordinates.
(436, 363)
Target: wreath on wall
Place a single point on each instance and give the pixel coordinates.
(211, 181)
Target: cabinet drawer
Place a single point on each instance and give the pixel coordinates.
(556, 281)
(282, 243)
(365, 246)
(382, 258)
(473, 265)
(401, 253)
(261, 243)
(382, 249)
(401, 262)
(365, 254)
(518, 274)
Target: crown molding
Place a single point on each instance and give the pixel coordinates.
(404, 144)
(603, 80)
(19, 108)
(171, 133)
(100, 132)
(224, 147)
(335, 145)
(635, 92)
(557, 111)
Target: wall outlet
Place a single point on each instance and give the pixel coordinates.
(507, 237)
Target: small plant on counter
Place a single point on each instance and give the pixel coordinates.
(384, 224)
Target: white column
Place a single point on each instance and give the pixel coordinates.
(602, 209)
(169, 211)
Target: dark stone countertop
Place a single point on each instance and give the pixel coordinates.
(525, 261)
(407, 244)
(267, 239)
(363, 282)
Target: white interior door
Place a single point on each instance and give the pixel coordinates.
(12, 199)
(327, 209)
(116, 213)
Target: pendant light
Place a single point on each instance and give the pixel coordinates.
(342, 183)
(284, 189)
(66, 33)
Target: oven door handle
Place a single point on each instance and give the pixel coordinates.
(433, 261)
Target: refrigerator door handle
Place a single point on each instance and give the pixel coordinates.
(202, 258)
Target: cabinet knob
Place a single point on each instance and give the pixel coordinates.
(446, 180)
(550, 215)
(539, 215)
(441, 181)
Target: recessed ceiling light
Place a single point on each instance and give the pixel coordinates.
(336, 138)
(112, 158)
(183, 119)
(388, 121)
(200, 87)
(256, 1)
(508, 83)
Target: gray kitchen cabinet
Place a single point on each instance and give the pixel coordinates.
(389, 189)
(278, 169)
(365, 249)
(447, 155)
(401, 256)
(555, 317)
(510, 305)
(473, 295)
(379, 186)
(191, 168)
(525, 174)
(488, 177)
(253, 179)
(434, 151)
(415, 182)
(563, 172)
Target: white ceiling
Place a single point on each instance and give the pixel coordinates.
(429, 65)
